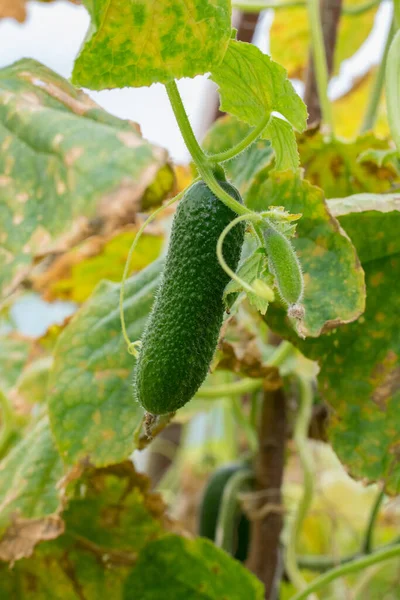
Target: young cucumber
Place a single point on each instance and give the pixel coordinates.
(181, 335)
(285, 265)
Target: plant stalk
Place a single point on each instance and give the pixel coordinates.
(197, 154)
(324, 21)
(264, 558)
(306, 460)
(376, 92)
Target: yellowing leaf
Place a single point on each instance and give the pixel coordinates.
(30, 489)
(290, 39)
(349, 110)
(62, 159)
(326, 255)
(138, 43)
(338, 168)
(359, 362)
(74, 275)
(183, 177)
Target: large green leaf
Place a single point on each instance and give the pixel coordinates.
(328, 258)
(14, 353)
(339, 167)
(31, 494)
(92, 411)
(63, 158)
(251, 86)
(175, 568)
(138, 43)
(111, 516)
(372, 221)
(359, 363)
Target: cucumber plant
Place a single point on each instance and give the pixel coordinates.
(275, 295)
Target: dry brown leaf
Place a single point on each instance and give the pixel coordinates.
(14, 9)
(23, 535)
(246, 360)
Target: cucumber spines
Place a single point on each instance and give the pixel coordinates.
(183, 328)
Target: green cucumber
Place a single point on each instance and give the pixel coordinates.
(210, 511)
(182, 332)
(211, 500)
(285, 265)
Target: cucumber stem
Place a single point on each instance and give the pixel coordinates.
(235, 388)
(393, 89)
(368, 540)
(357, 564)
(201, 161)
(282, 352)
(376, 92)
(243, 144)
(301, 441)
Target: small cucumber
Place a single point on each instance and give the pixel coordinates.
(183, 328)
(285, 265)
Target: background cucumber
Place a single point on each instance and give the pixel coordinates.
(182, 331)
(210, 507)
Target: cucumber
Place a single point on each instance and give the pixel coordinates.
(285, 265)
(211, 500)
(209, 511)
(182, 332)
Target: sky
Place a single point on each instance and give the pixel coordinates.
(54, 32)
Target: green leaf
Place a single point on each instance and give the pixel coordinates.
(372, 221)
(62, 158)
(254, 267)
(14, 353)
(139, 43)
(115, 511)
(30, 494)
(339, 167)
(251, 85)
(229, 131)
(283, 141)
(328, 258)
(379, 157)
(31, 385)
(77, 272)
(92, 411)
(111, 516)
(177, 568)
(359, 363)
